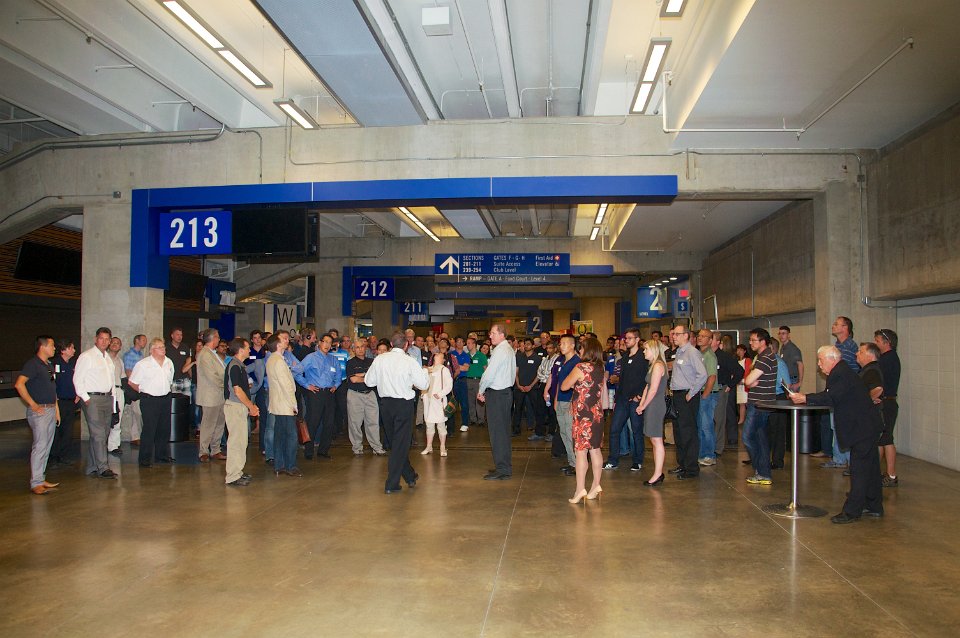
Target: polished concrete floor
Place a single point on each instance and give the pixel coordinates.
(171, 551)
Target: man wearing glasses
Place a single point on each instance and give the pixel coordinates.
(689, 377)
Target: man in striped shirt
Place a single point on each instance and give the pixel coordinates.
(762, 382)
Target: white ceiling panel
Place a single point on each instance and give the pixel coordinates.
(690, 225)
(468, 223)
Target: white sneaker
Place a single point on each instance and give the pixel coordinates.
(427, 451)
(464, 428)
(707, 461)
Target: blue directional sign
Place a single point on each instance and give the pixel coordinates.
(681, 308)
(652, 302)
(197, 232)
(502, 268)
(380, 288)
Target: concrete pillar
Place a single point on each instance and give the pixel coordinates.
(381, 313)
(602, 311)
(106, 296)
(837, 258)
(327, 311)
(107, 300)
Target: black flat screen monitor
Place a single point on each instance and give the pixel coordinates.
(48, 264)
(272, 232)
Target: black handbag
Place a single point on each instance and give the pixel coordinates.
(671, 414)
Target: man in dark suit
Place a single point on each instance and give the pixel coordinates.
(858, 428)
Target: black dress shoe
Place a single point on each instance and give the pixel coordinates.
(684, 476)
(747, 462)
(167, 459)
(246, 476)
(413, 483)
(108, 474)
(392, 490)
(240, 482)
(117, 452)
(776, 466)
(676, 470)
(496, 476)
(145, 464)
(569, 471)
(872, 513)
(842, 518)
(324, 456)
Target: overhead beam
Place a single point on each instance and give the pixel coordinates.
(395, 48)
(501, 39)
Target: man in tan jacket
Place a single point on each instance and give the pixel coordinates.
(210, 370)
(282, 405)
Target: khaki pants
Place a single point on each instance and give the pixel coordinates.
(236, 418)
(363, 414)
(211, 429)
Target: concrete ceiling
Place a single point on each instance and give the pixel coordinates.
(113, 66)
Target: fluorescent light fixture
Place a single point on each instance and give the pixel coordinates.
(600, 213)
(652, 286)
(672, 8)
(296, 113)
(673, 279)
(245, 69)
(193, 22)
(418, 223)
(594, 232)
(650, 72)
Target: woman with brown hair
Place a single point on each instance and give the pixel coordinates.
(435, 400)
(586, 380)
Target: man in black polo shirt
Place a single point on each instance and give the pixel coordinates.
(38, 389)
(67, 401)
(362, 407)
(631, 379)
(527, 393)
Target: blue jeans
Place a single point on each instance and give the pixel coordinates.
(625, 412)
(285, 442)
(755, 439)
(826, 435)
(460, 393)
(705, 426)
(267, 423)
(839, 456)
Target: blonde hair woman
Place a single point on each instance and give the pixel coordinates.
(435, 400)
(653, 406)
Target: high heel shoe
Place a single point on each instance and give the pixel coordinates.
(595, 495)
(427, 451)
(578, 497)
(654, 483)
(443, 452)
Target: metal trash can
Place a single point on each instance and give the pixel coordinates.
(809, 432)
(179, 417)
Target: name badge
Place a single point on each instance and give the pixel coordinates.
(253, 356)
(333, 369)
(629, 360)
(56, 368)
(476, 361)
(680, 361)
(182, 353)
(529, 360)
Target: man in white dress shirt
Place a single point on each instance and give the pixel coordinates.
(395, 375)
(496, 391)
(94, 380)
(152, 378)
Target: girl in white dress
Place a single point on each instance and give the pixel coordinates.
(435, 400)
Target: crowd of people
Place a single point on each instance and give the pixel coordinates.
(299, 391)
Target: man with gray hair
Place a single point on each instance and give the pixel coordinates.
(210, 369)
(395, 375)
(858, 427)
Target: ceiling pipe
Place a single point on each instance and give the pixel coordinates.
(473, 58)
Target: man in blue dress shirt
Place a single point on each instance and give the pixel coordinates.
(319, 375)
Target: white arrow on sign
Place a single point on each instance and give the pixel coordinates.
(450, 263)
